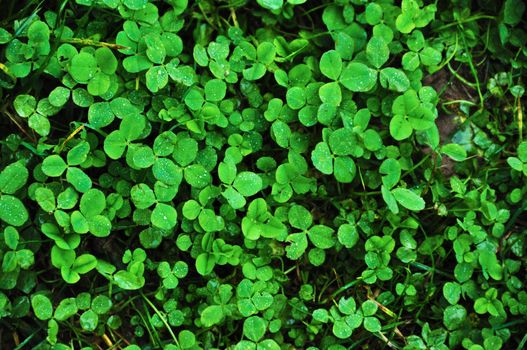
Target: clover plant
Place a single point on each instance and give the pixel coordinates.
(269, 174)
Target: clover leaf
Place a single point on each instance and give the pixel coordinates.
(83, 67)
(331, 64)
(336, 160)
(42, 306)
(358, 77)
(408, 199)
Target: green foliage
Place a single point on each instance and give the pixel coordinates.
(274, 174)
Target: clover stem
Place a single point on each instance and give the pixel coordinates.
(466, 20)
(162, 319)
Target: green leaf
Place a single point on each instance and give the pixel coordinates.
(135, 4)
(281, 133)
(136, 64)
(211, 315)
(53, 166)
(82, 98)
(205, 263)
(215, 90)
(452, 292)
(410, 61)
(454, 151)
(128, 281)
(191, 209)
(369, 308)
(235, 199)
(164, 216)
(42, 307)
(298, 245)
(522, 151)
(142, 196)
(358, 77)
(79, 179)
(194, 99)
(299, 217)
(79, 222)
(143, 157)
(62, 257)
(404, 23)
(255, 72)
(101, 304)
(99, 84)
(83, 67)
(515, 163)
(5, 36)
(321, 236)
(167, 172)
(187, 339)
(347, 235)
(394, 79)
(46, 199)
(373, 13)
(326, 113)
(66, 309)
(266, 53)
(341, 329)
(372, 140)
(197, 176)
(430, 56)
(106, 60)
(453, 316)
(40, 124)
(377, 52)
(331, 64)
(391, 169)
(209, 221)
(408, 199)
(344, 169)
(38, 32)
(342, 142)
(400, 128)
(156, 51)
(322, 158)
(248, 183)
(99, 226)
(92, 203)
(115, 144)
(513, 11)
(179, 6)
(12, 211)
(13, 177)
(59, 96)
(490, 265)
(344, 45)
(11, 237)
(372, 324)
(78, 154)
(330, 93)
(67, 199)
(84, 263)
(254, 328)
(156, 78)
(296, 97)
(25, 105)
(100, 114)
(89, 320)
(271, 4)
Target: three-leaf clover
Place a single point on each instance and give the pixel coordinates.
(321, 236)
(55, 166)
